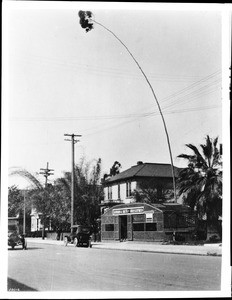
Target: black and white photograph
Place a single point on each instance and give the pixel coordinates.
(115, 150)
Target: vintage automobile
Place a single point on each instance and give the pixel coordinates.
(15, 239)
(80, 236)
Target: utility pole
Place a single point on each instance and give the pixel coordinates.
(46, 172)
(73, 141)
(24, 212)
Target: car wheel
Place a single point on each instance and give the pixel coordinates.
(65, 241)
(75, 242)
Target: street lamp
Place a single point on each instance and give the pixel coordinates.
(86, 22)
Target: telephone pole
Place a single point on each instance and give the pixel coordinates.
(73, 141)
(46, 172)
(24, 212)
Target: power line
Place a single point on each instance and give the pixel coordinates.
(100, 70)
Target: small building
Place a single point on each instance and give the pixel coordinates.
(35, 220)
(147, 222)
(120, 188)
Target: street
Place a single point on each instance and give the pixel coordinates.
(57, 268)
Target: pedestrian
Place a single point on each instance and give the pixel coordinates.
(23, 241)
(174, 236)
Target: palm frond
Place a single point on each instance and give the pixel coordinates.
(28, 176)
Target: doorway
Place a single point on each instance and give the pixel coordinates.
(123, 227)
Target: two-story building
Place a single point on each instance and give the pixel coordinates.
(125, 218)
(119, 188)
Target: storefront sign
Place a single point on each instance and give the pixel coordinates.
(126, 211)
(149, 217)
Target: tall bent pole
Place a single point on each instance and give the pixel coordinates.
(86, 22)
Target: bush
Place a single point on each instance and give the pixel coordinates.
(213, 239)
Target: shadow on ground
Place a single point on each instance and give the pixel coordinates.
(28, 248)
(15, 286)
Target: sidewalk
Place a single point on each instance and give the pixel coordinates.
(207, 249)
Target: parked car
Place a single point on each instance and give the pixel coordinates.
(80, 236)
(16, 239)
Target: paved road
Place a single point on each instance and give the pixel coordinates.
(57, 268)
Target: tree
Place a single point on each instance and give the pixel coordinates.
(152, 191)
(201, 182)
(114, 170)
(38, 196)
(86, 22)
(16, 206)
(15, 201)
(53, 202)
(89, 192)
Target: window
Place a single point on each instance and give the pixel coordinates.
(138, 227)
(139, 218)
(145, 227)
(110, 192)
(119, 196)
(109, 227)
(151, 227)
(128, 189)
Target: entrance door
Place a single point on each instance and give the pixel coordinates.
(123, 227)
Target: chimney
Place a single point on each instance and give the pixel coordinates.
(139, 162)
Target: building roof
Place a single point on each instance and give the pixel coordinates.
(145, 170)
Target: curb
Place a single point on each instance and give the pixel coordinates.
(208, 253)
(162, 252)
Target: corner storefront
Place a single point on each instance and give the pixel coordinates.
(146, 222)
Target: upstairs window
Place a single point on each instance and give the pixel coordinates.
(119, 194)
(128, 189)
(110, 192)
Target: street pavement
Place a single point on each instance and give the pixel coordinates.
(206, 249)
(49, 266)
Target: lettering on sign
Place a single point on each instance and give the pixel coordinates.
(132, 210)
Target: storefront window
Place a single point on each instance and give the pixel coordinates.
(138, 227)
(139, 218)
(151, 227)
(109, 227)
(145, 227)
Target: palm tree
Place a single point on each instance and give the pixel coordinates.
(86, 22)
(201, 182)
(38, 194)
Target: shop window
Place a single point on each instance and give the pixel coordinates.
(138, 227)
(109, 227)
(151, 227)
(139, 218)
(145, 227)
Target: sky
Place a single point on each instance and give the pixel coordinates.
(62, 80)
